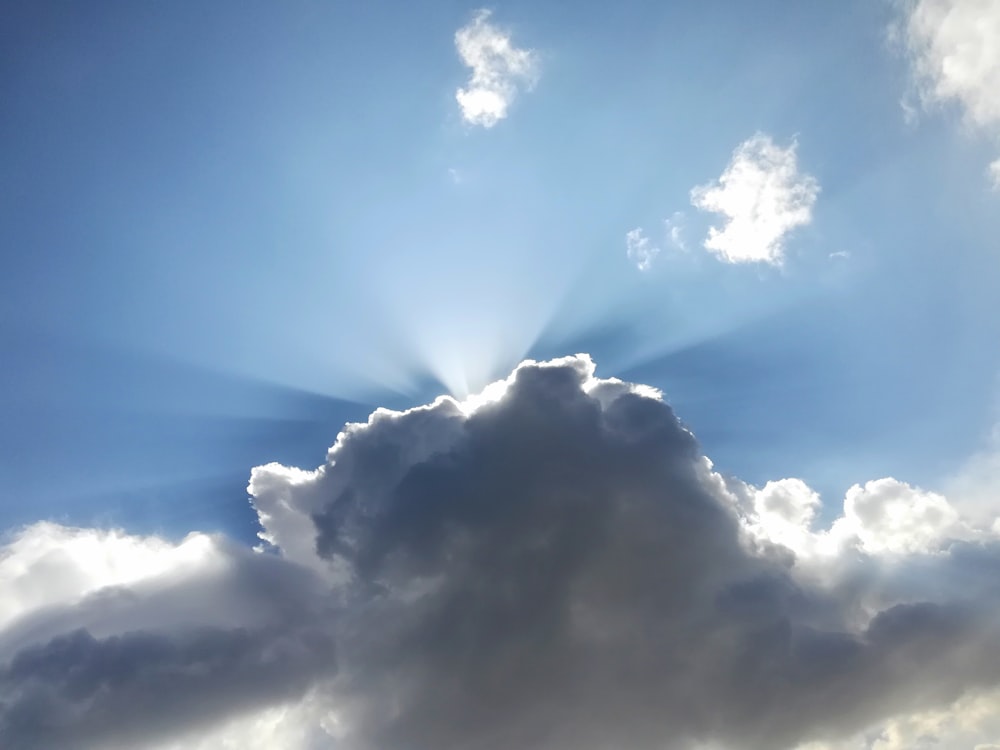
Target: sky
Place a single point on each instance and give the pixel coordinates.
(604, 375)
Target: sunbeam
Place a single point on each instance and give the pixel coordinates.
(553, 376)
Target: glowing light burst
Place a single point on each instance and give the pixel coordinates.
(468, 321)
(466, 358)
(450, 312)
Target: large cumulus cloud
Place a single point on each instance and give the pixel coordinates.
(553, 564)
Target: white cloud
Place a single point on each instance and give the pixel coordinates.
(499, 70)
(883, 517)
(994, 170)
(890, 516)
(954, 50)
(762, 196)
(784, 511)
(640, 249)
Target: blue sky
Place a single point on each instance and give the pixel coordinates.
(286, 202)
(229, 229)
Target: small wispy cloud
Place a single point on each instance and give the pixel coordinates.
(675, 230)
(953, 47)
(641, 251)
(499, 70)
(762, 196)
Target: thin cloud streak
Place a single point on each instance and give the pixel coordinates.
(640, 249)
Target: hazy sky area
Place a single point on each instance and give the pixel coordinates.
(605, 376)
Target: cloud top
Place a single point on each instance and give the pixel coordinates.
(499, 70)
(761, 196)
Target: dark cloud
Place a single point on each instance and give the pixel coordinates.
(237, 631)
(77, 691)
(565, 570)
(559, 568)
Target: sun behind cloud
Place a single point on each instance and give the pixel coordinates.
(553, 564)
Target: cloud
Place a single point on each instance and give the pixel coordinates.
(762, 196)
(675, 230)
(112, 641)
(887, 515)
(639, 249)
(80, 691)
(973, 488)
(962, 724)
(553, 563)
(49, 564)
(499, 70)
(565, 568)
(954, 51)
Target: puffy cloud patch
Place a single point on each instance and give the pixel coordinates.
(891, 516)
(762, 196)
(499, 70)
(954, 50)
(783, 512)
(884, 520)
(551, 564)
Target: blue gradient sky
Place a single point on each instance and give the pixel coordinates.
(227, 229)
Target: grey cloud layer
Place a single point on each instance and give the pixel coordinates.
(128, 665)
(77, 691)
(564, 570)
(560, 567)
